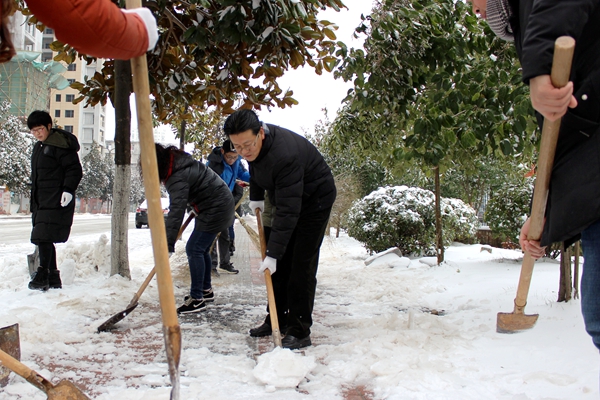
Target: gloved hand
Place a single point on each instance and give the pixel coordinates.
(242, 183)
(149, 21)
(257, 204)
(65, 199)
(268, 263)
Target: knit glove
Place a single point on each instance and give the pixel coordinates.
(268, 263)
(65, 199)
(149, 21)
(254, 204)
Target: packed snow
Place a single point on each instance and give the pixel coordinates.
(399, 328)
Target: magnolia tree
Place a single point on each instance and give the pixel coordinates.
(404, 217)
(15, 152)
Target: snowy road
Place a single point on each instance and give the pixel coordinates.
(14, 230)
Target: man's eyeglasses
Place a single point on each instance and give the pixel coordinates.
(232, 157)
(240, 148)
(37, 129)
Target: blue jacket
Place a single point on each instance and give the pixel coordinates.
(229, 173)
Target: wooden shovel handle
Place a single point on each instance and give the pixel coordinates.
(561, 67)
(276, 333)
(23, 370)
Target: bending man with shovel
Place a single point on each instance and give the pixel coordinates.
(301, 188)
(573, 204)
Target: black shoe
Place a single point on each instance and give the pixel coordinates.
(208, 295)
(229, 269)
(40, 280)
(54, 281)
(214, 272)
(263, 330)
(191, 306)
(293, 343)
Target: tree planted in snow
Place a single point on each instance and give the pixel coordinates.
(95, 182)
(16, 145)
(404, 217)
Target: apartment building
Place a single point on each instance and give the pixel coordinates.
(87, 123)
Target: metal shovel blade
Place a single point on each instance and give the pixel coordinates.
(110, 323)
(9, 343)
(515, 322)
(65, 390)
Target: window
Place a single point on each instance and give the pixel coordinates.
(47, 45)
(72, 67)
(71, 81)
(57, 113)
(46, 57)
(69, 128)
(49, 31)
(88, 134)
(69, 98)
(58, 96)
(88, 118)
(69, 113)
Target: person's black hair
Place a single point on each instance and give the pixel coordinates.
(163, 159)
(38, 118)
(240, 121)
(228, 147)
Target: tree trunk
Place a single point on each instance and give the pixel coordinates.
(564, 286)
(182, 134)
(120, 216)
(438, 218)
(576, 253)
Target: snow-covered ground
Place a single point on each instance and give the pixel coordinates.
(375, 328)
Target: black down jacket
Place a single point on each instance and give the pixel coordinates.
(297, 179)
(55, 168)
(574, 198)
(192, 183)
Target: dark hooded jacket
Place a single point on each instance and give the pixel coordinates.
(297, 179)
(574, 197)
(55, 168)
(193, 184)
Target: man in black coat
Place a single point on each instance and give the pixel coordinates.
(55, 175)
(573, 206)
(301, 188)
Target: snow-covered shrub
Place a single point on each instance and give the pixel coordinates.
(459, 221)
(508, 209)
(404, 217)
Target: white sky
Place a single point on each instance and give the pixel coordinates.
(370, 328)
(312, 91)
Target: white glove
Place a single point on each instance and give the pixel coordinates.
(149, 21)
(257, 204)
(65, 199)
(268, 263)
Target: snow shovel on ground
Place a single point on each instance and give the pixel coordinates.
(9, 342)
(518, 320)
(171, 328)
(269, 283)
(64, 390)
(110, 323)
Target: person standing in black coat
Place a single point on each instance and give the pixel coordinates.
(55, 174)
(573, 205)
(192, 184)
(301, 189)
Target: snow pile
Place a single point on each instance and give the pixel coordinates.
(282, 368)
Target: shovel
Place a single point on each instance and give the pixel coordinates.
(9, 342)
(518, 320)
(64, 390)
(110, 323)
(171, 328)
(269, 283)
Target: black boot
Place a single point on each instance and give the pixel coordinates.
(54, 281)
(40, 280)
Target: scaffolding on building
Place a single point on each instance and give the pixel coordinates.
(26, 83)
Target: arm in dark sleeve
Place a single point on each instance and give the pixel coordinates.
(178, 189)
(73, 171)
(289, 187)
(256, 192)
(550, 19)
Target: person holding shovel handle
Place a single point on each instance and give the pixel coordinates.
(573, 204)
(301, 189)
(191, 183)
